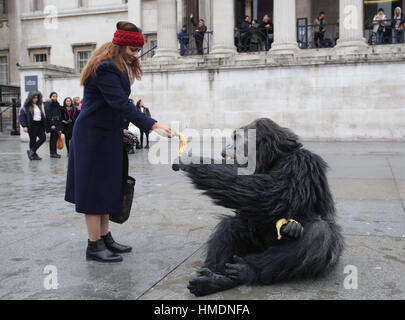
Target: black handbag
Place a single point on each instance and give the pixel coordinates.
(126, 204)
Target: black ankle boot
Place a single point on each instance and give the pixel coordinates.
(37, 157)
(30, 154)
(114, 246)
(96, 250)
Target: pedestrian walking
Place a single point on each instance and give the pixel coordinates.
(32, 119)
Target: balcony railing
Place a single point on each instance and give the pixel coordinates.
(313, 36)
(254, 39)
(192, 43)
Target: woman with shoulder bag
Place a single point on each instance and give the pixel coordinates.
(69, 115)
(98, 163)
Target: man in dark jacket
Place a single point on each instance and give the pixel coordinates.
(53, 122)
(245, 34)
(199, 33)
(320, 29)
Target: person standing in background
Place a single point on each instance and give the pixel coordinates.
(77, 103)
(32, 119)
(53, 122)
(69, 115)
(379, 23)
(141, 106)
(320, 29)
(398, 26)
(199, 33)
(184, 40)
(266, 28)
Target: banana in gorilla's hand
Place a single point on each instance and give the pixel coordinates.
(290, 228)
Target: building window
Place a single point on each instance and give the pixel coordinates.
(82, 53)
(37, 5)
(3, 70)
(39, 54)
(82, 58)
(40, 58)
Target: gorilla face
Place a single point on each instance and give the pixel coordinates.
(238, 148)
(261, 142)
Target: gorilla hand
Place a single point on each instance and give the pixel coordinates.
(240, 271)
(179, 164)
(208, 282)
(183, 162)
(292, 230)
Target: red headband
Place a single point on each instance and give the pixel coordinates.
(128, 38)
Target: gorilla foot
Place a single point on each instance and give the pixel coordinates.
(208, 282)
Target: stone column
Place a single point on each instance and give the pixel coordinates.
(223, 23)
(17, 51)
(135, 12)
(179, 10)
(285, 27)
(351, 20)
(167, 30)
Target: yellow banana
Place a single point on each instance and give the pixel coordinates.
(183, 144)
(281, 223)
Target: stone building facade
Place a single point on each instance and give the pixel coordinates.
(353, 91)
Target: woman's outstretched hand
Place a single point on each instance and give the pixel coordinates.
(164, 131)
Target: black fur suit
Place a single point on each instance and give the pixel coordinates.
(289, 182)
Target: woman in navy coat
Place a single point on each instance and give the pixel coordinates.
(98, 164)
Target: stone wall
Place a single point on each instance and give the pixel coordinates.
(329, 101)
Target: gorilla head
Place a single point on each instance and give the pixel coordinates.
(272, 143)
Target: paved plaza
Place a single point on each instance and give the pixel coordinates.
(171, 221)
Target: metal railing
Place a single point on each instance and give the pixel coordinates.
(9, 98)
(7, 94)
(192, 44)
(313, 36)
(2, 110)
(254, 39)
(384, 31)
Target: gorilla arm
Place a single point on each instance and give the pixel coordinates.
(249, 195)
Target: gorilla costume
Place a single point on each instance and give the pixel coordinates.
(289, 183)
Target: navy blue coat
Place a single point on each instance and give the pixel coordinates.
(98, 165)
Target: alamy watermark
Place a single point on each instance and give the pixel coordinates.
(51, 278)
(51, 17)
(212, 146)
